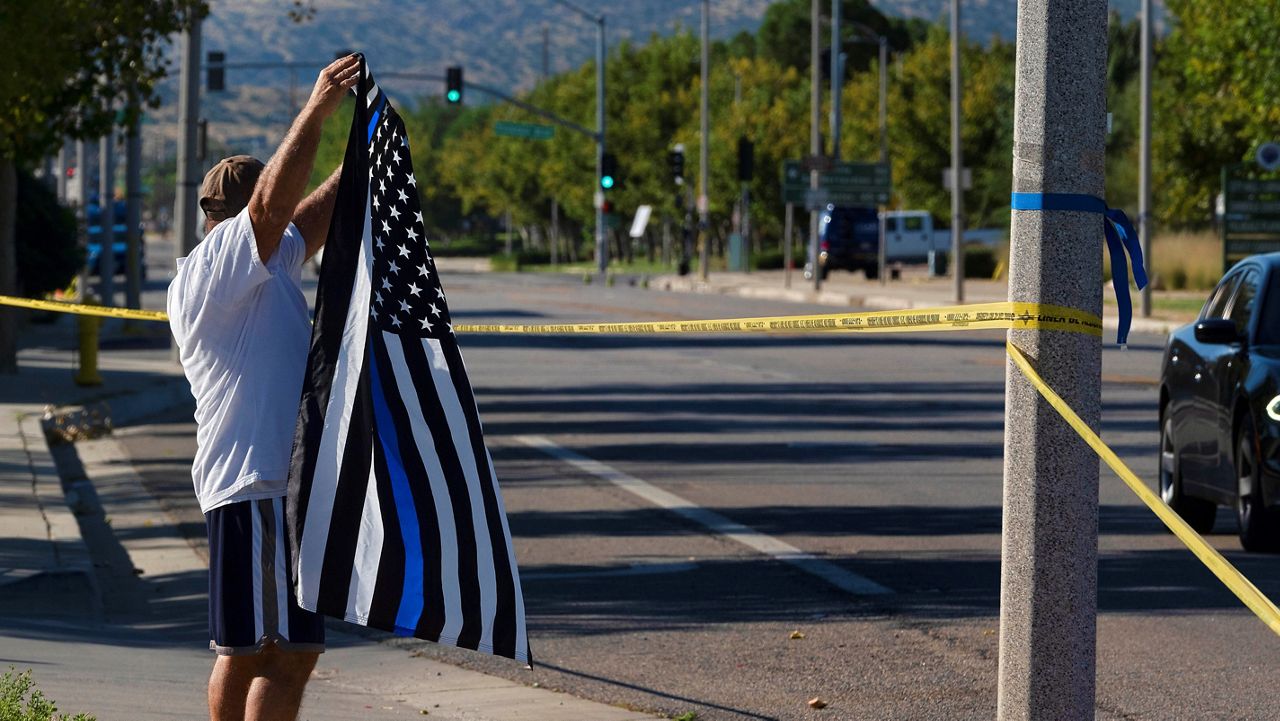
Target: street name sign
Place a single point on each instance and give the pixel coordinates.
(530, 131)
(1251, 212)
(845, 184)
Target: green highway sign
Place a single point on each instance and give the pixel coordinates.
(1251, 212)
(531, 131)
(843, 184)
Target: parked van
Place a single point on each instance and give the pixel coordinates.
(849, 239)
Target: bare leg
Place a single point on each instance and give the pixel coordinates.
(229, 686)
(276, 693)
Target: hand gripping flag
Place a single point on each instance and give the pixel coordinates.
(394, 513)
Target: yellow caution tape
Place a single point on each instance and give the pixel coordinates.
(82, 309)
(983, 316)
(1257, 602)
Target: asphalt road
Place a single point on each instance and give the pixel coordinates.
(879, 455)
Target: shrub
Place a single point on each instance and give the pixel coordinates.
(20, 700)
(768, 260)
(45, 233)
(980, 262)
(504, 263)
(464, 248)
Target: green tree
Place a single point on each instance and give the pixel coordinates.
(67, 66)
(919, 119)
(1217, 84)
(784, 32)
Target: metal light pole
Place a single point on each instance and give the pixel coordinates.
(704, 113)
(602, 248)
(106, 218)
(835, 79)
(61, 170)
(1144, 154)
(815, 139)
(884, 99)
(133, 216)
(184, 213)
(1049, 551)
(957, 162)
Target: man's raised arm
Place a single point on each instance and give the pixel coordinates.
(279, 190)
(315, 213)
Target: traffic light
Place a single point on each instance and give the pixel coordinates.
(453, 83)
(675, 159)
(606, 207)
(746, 159)
(608, 171)
(217, 71)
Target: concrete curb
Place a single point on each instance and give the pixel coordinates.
(62, 577)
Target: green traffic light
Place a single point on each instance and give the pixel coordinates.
(606, 182)
(454, 96)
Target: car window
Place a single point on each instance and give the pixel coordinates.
(1245, 298)
(1216, 307)
(913, 223)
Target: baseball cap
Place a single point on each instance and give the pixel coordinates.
(228, 186)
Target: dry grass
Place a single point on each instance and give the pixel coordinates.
(1186, 261)
(1180, 261)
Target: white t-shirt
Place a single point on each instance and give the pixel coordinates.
(243, 333)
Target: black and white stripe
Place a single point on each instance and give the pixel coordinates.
(249, 589)
(395, 512)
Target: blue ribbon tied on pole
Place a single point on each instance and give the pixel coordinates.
(1121, 238)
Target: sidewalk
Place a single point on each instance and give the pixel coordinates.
(102, 596)
(914, 290)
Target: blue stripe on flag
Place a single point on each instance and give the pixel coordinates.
(411, 599)
(373, 119)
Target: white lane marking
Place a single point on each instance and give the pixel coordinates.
(635, 569)
(840, 578)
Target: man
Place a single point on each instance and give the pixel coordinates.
(241, 323)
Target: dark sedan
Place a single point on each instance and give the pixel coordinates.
(1220, 410)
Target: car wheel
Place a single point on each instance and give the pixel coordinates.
(872, 272)
(1258, 527)
(1197, 512)
(825, 271)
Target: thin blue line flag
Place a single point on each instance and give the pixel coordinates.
(394, 513)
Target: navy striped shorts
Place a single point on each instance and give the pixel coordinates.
(251, 601)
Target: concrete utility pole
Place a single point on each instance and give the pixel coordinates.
(815, 138)
(704, 183)
(1049, 567)
(1144, 153)
(957, 162)
(106, 218)
(133, 216)
(836, 78)
(184, 211)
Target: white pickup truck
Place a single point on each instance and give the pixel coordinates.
(909, 236)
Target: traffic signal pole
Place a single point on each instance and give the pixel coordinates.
(602, 248)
